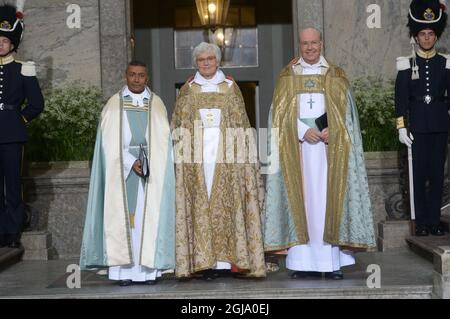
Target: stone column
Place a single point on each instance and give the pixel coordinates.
(307, 13)
(63, 53)
(115, 35)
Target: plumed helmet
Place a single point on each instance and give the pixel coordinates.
(427, 14)
(11, 21)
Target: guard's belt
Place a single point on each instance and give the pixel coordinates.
(428, 99)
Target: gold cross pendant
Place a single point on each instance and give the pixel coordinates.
(132, 220)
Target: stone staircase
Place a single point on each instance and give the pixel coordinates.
(9, 257)
(36, 246)
(436, 250)
(445, 221)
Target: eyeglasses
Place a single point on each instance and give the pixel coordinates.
(210, 59)
(310, 43)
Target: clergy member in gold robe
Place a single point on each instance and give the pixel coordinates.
(318, 204)
(218, 200)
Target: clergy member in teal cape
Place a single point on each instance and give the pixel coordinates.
(130, 220)
(344, 199)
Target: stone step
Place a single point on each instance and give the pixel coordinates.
(393, 292)
(392, 234)
(9, 256)
(436, 250)
(428, 246)
(37, 245)
(445, 221)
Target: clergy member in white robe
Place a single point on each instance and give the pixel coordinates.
(218, 208)
(130, 219)
(316, 256)
(211, 133)
(317, 204)
(134, 104)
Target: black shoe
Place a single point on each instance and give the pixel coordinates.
(421, 231)
(305, 274)
(209, 275)
(299, 274)
(125, 283)
(15, 245)
(335, 275)
(151, 282)
(2, 241)
(437, 231)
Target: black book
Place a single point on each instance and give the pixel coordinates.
(144, 162)
(322, 122)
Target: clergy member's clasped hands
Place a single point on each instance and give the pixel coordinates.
(137, 167)
(313, 136)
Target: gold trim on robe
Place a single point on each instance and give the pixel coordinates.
(335, 87)
(227, 226)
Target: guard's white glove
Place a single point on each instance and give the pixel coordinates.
(403, 137)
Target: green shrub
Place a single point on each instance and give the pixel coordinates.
(374, 99)
(66, 130)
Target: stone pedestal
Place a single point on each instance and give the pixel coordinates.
(393, 234)
(37, 245)
(441, 276)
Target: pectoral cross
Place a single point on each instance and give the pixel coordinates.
(311, 102)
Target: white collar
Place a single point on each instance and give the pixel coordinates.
(218, 78)
(138, 99)
(322, 63)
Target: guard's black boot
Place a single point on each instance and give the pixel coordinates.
(421, 231)
(437, 231)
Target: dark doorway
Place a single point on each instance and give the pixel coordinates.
(158, 25)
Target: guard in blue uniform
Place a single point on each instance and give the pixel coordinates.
(420, 99)
(21, 101)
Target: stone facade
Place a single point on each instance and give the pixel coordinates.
(96, 53)
(58, 50)
(348, 40)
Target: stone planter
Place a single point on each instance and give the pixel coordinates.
(58, 191)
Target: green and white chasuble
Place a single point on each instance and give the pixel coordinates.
(130, 222)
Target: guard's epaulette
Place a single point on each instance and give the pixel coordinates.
(404, 63)
(28, 68)
(447, 56)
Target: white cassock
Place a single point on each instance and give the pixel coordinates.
(211, 134)
(135, 272)
(316, 255)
